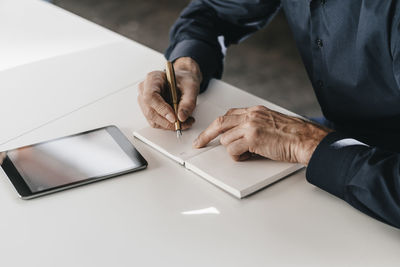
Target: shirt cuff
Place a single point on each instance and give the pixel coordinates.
(331, 161)
(206, 56)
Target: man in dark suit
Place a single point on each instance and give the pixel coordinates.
(351, 51)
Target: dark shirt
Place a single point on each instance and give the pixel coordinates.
(351, 53)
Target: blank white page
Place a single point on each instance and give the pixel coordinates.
(181, 150)
(238, 178)
(213, 162)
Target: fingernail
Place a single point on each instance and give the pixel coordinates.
(170, 117)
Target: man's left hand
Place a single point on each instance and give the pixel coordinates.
(264, 132)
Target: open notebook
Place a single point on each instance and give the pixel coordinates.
(213, 162)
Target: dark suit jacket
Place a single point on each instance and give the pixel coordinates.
(350, 50)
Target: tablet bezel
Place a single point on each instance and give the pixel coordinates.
(24, 191)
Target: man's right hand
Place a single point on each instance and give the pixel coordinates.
(153, 92)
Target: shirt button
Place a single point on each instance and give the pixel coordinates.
(323, 2)
(319, 43)
(320, 85)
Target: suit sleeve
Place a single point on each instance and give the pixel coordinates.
(206, 27)
(368, 178)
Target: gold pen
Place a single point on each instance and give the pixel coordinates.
(170, 73)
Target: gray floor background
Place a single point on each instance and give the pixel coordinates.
(267, 64)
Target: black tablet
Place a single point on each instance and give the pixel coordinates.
(70, 161)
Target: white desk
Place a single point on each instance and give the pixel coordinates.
(34, 30)
(61, 61)
(137, 220)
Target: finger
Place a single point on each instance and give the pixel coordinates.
(188, 99)
(217, 127)
(258, 108)
(150, 94)
(162, 123)
(153, 118)
(162, 108)
(237, 148)
(157, 121)
(141, 88)
(232, 135)
(236, 111)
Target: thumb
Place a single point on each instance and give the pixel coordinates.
(187, 102)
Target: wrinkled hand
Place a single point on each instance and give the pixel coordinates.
(153, 93)
(264, 132)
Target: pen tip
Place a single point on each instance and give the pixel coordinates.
(178, 134)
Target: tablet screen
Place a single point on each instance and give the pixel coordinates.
(70, 159)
